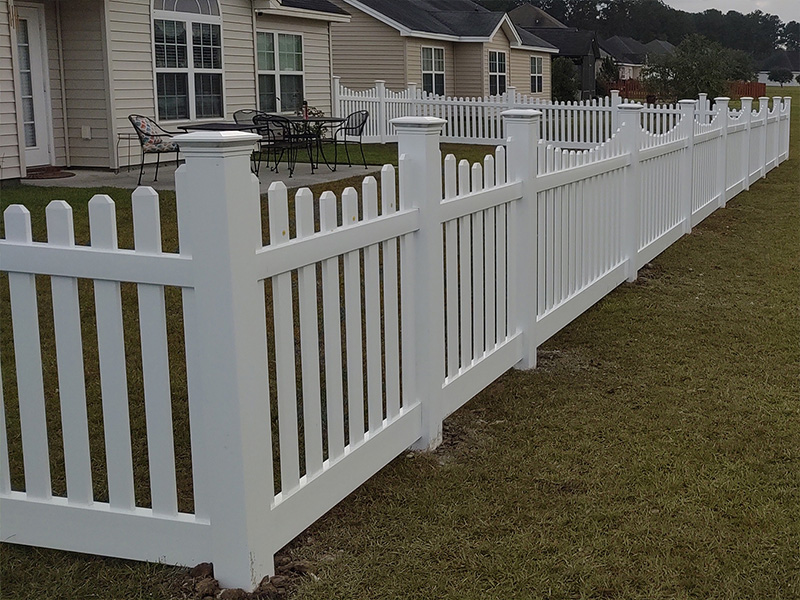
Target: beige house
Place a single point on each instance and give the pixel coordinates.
(446, 47)
(71, 71)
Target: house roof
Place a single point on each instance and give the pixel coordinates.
(659, 47)
(568, 40)
(625, 49)
(449, 18)
(529, 16)
(317, 5)
(789, 59)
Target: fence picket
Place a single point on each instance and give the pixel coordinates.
(285, 371)
(25, 324)
(334, 394)
(69, 358)
(390, 299)
(309, 339)
(111, 351)
(372, 308)
(155, 360)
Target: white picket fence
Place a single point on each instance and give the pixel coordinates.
(313, 360)
(574, 125)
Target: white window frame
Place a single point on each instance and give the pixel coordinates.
(498, 74)
(277, 72)
(537, 74)
(434, 72)
(190, 70)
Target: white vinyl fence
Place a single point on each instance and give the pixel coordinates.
(311, 360)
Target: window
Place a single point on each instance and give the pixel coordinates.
(433, 70)
(537, 74)
(188, 57)
(497, 73)
(280, 71)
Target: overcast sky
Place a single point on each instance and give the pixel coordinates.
(787, 10)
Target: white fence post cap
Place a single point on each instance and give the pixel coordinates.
(425, 124)
(521, 113)
(687, 102)
(215, 142)
(630, 106)
(722, 99)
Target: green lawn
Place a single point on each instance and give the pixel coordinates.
(654, 454)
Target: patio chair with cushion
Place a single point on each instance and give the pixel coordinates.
(154, 139)
(352, 126)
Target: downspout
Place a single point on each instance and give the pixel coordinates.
(330, 67)
(254, 20)
(62, 82)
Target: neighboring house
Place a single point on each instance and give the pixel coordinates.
(72, 71)
(446, 47)
(787, 59)
(580, 46)
(630, 54)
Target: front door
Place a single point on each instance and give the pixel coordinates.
(33, 88)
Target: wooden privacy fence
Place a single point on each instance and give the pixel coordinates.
(573, 125)
(309, 362)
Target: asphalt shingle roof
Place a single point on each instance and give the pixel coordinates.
(315, 5)
(461, 18)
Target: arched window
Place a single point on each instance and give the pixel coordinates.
(187, 45)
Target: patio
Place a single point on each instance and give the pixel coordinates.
(126, 178)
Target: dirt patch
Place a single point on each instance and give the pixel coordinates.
(199, 582)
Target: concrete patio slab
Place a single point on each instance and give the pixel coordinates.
(126, 179)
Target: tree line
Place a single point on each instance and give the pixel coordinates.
(756, 33)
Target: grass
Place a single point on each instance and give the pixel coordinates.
(653, 454)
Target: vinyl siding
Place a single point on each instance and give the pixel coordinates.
(129, 36)
(521, 72)
(498, 42)
(238, 55)
(365, 50)
(10, 167)
(414, 56)
(316, 62)
(59, 157)
(85, 82)
(469, 68)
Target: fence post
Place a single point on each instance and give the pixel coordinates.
(511, 96)
(414, 96)
(747, 113)
(776, 108)
(420, 166)
(702, 108)
(688, 108)
(615, 102)
(522, 132)
(787, 108)
(380, 88)
(721, 105)
(763, 107)
(630, 134)
(219, 223)
(336, 110)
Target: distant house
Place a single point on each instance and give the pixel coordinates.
(787, 59)
(630, 54)
(72, 72)
(580, 46)
(447, 47)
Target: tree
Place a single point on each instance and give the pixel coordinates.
(780, 75)
(740, 66)
(565, 82)
(698, 65)
(797, 79)
(607, 76)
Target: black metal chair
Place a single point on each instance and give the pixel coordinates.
(284, 137)
(247, 116)
(352, 126)
(153, 139)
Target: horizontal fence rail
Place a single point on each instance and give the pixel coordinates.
(210, 400)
